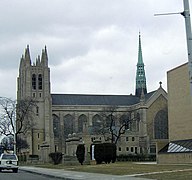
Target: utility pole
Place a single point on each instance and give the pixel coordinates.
(186, 14)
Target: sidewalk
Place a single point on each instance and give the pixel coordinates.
(73, 175)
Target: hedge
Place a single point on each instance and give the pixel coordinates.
(105, 152)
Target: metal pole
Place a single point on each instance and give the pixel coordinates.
(186, 14)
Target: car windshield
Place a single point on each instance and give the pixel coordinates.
(9, 156)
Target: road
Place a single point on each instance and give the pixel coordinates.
(22, 175)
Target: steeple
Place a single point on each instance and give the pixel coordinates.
(44, 57)
(27, 56)
(140, 75)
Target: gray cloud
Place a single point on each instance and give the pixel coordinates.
(92, 45)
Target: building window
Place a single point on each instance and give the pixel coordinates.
(161, 125)
(127, 148)
(110, 121)
(68, 125)
(38, 147)
(37, 111)
(119, 148)
(34, 81)
(131, 149)
(40, 82)
(40, 95)
(96, 124)
(127, 138)
(135, 150)
(141, 150)
(38, 135)
(34, 95)
(152, 149)
(56, 126)
(125, 120)
(56, 148)
(82, 121)
(133, 138)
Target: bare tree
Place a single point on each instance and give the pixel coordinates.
(113, 125)
(25, 112)
(7, 116)
(16, 117)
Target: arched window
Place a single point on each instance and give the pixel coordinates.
(68, 125)
(96, 123)
(161, 125)
(56, 126)
(110, 120)
(40, 82)
(125, 120)
(81, 120)
(34, 81)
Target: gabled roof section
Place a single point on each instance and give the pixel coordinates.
(152, 96)
(83, 99)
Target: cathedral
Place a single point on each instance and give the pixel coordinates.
(62, 121)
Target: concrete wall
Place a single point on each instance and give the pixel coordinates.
(174, 158)
(179, 104)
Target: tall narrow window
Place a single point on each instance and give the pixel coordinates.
(37, 111)
(68, 125)
(161, 125)
(82, 121)
(56, 126)
(96, 124)
(40, 84)
(34, 81)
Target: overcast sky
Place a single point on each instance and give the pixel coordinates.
(92, 44)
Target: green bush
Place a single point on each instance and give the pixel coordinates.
(80, 153)
(98, 153)
(56, 157)
(33, 156)
(136, 157)
(105, 152)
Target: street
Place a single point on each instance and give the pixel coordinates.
(22, 175)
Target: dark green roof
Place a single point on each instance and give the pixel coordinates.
(85, 99)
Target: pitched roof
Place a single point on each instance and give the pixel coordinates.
(179, 146)
(85, 99)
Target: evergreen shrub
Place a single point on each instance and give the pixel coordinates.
(105, 152)
(56, 157)
(80, 153)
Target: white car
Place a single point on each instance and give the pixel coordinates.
(9, 161)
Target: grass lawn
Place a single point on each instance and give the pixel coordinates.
(129, 168)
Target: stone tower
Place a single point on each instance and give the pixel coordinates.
(34, 82)
(140, 75)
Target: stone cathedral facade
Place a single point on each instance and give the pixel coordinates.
(64, 120)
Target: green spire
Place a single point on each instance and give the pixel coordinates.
(140, 57)
(140, 75)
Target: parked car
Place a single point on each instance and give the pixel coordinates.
(9, 161)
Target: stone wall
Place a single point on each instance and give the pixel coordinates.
(174, 158)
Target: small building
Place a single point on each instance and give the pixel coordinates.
(179, 147)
